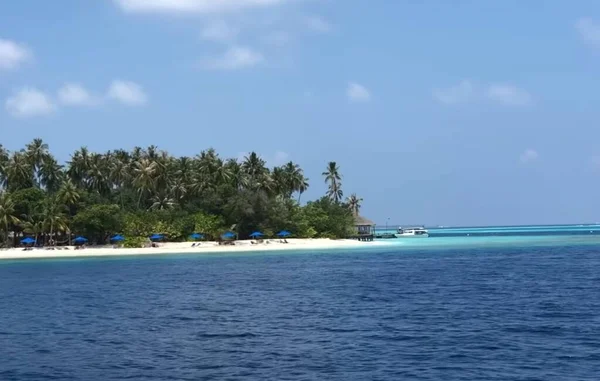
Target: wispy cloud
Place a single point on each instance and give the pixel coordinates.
(219, 31)
(461, 93)
(589, 30)
(13, 54)
(127, 92)
(508, 94)
(193, 6)
(318, 24)
(29, 102)
(75, 94)
(357, 93)
(529, 155)
(236, 57)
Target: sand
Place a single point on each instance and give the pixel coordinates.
(186, 248)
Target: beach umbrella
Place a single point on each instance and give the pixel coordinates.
(27, 241)
(256, 234)
(196, 236)
(284, 233)
(80, 240)
(156, 237)
(228, 235)
(117, 238)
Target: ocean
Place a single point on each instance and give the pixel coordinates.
(449, 308)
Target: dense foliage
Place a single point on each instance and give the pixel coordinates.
(148, 191)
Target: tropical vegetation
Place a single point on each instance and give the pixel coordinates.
(147, 190)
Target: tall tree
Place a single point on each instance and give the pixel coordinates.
(7, 214)
(354, 203)
(37, 153)
(334, 179)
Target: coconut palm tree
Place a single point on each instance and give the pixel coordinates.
(19, 173)
(7, 214)
(333, 177)
(54, 217)
(32, 224)
(68, 194)
(255, 168)
(50, 174)
(354, 203)
(302, 188)
(143, 177)
(4, 158)
(36, 153)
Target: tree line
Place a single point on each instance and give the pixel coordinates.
(146, 191)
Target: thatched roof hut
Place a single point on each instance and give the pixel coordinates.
(363, 225)
(362, 221)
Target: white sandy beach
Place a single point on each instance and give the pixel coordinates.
(186, 248)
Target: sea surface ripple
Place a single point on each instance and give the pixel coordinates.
(517, 313)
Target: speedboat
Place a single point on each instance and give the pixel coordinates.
(412, 232)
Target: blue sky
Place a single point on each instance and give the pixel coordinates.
(438, 112)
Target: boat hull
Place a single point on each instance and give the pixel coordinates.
(411, 235)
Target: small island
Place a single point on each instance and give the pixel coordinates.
(147, 192)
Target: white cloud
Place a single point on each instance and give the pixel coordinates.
(317, 24)
(357, 93)
(529, 155)
(508, 95)
(29, 102)
(589, 30)
(236, 57)
(460, 93)
(127, 92)
(12, 54)
(74, 94)
(193, 6)
(219, 31)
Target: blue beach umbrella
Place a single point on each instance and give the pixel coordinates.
(117, 238)
(228, 235)
(27, 241)
(156, 237)
(80, 240)
(196, 236)
(256, 234)
(284, 233)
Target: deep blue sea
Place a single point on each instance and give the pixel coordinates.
(479, 308)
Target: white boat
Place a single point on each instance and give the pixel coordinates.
(412, 232)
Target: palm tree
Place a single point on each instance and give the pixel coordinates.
(36, 153)
(354, 203)
(162, 202)
(302, 188)
(4, 158)
(50, 174)
(68, 194)
(7, 214)
(32, 224)
(143, 180)
(79, 166)
(333, 177)
(54, 217)
(19, 172)
(255, 167)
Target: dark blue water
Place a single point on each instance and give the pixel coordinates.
(529, 313)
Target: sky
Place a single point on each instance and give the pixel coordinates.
(438, 112)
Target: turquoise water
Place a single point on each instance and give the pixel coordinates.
(581, 229)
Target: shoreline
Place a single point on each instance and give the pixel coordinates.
(210, 247)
